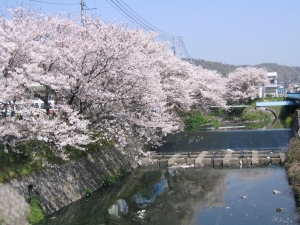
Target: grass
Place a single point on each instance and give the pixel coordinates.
(36, 214)
(255, 119)
(13, 165)
(28, 158)
(109, 181)
(292, 165)
(194, 120)
(293, 155)
(258, 119)
(251, 117)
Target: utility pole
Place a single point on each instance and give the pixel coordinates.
(82, 13)
(174, 46)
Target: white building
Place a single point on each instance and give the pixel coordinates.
(272, 88)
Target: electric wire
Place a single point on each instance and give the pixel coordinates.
(55, 3)
(146, 22)
(135, 18)
(130, 14)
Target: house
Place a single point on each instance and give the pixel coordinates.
(272, 88)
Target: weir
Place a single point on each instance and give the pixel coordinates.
(224, 158)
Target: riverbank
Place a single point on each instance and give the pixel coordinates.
(292, 166)
(292, 163)
(60, 185)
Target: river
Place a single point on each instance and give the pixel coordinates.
(192, 196)
(229, 139)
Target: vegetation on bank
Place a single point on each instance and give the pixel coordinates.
(107, 182)
(292, 166)
(194, 120)
(32, 156)
(36, 213)
(271, 117)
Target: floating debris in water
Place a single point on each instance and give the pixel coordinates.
(141, 213)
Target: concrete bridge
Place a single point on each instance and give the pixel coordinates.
(290, 99)
(223, 158)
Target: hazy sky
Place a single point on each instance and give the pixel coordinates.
(236, 32)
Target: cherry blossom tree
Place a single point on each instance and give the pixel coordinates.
(22, 40)
(209, 88)
(243, 83)
(105, 79)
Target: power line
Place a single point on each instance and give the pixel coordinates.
(55, 3)
(130, 14)
(135, 18)
(146, 22)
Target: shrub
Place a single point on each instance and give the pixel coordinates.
(195, 121)
(121, 173)
(288, 122)
(88, 192)
(108, 181)
(216, 124)
(293, 154)
(36, 214)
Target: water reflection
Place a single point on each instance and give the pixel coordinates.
(143, 200)
(120, 207)
(188, 196)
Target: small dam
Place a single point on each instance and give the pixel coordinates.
(226, 158)
(221, 148)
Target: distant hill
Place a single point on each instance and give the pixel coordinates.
(285, 73)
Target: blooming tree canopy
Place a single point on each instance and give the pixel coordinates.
(105, 79)
(243, 83)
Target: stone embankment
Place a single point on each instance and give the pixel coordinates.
(216, 158)
(57, 186)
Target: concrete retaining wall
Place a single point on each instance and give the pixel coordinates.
(58, 186)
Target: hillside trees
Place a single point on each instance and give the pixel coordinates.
(108, 82)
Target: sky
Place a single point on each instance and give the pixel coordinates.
(235, 32)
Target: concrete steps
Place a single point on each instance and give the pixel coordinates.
(225, 158)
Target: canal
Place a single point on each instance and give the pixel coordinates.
(228, 139)
(192, 196)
